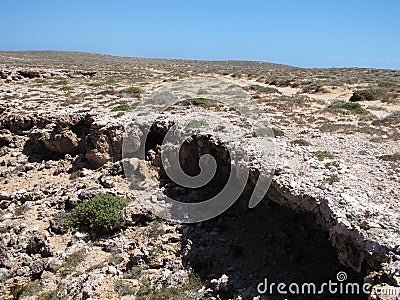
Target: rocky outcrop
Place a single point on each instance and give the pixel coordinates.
(65, 134)
(100, 141)
(29, 73)
(6, 137)
(104, 142)
(20, 123)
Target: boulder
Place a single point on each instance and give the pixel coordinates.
(104, 142)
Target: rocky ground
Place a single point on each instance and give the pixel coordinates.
(333, 204)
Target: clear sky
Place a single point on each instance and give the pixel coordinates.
(303, 33)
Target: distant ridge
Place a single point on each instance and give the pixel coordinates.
(51, 58)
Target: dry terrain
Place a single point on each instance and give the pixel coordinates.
(333, 205)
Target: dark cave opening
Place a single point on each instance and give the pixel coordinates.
(250, 245)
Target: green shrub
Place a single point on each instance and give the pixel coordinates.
(61, 81)
(66, 88)
(368, 95)
(332, 179)
(203, 102)
(332, 164)
(262, 89)
(125, 106)
(111, 80)
(196, 124)
(132, 91)
(40, 80)
(102, 213)
(30, 289)
(347, 108)
(321, 155)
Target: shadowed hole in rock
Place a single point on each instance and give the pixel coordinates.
(249, 245)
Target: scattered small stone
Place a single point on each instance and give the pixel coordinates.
(107, 182)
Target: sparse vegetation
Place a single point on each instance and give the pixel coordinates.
(21, 209)
(102, 213)
(262, 89)
(32, 288)
(66, 88)
(395, 157)
(190, 287)
(50, 295)
(368, 95)
(348, 108)
(321, 155)
(202, 92)
(298, 99)
(133, 272)
(61, 81)
(332, 164)
(132, 91)
(125, 106)
(203, 102)
(154, 255)
(332, 179)
(115, 259)
(155, 229)
(72, 261)
(124, 287)
(111, 80)
(196, 124)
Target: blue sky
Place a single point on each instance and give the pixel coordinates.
(303, 33)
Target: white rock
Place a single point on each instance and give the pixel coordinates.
(112, 270)
(80, 235)
(293, 184)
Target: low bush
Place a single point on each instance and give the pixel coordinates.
(368, 95)
(321, 155)
(102, 213)
(203, 102)
(132, 91)
(66, 88)
(125, 106)
(348, 108)
(261, 89)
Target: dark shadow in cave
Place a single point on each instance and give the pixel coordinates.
(249, 245)
(269, 241)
